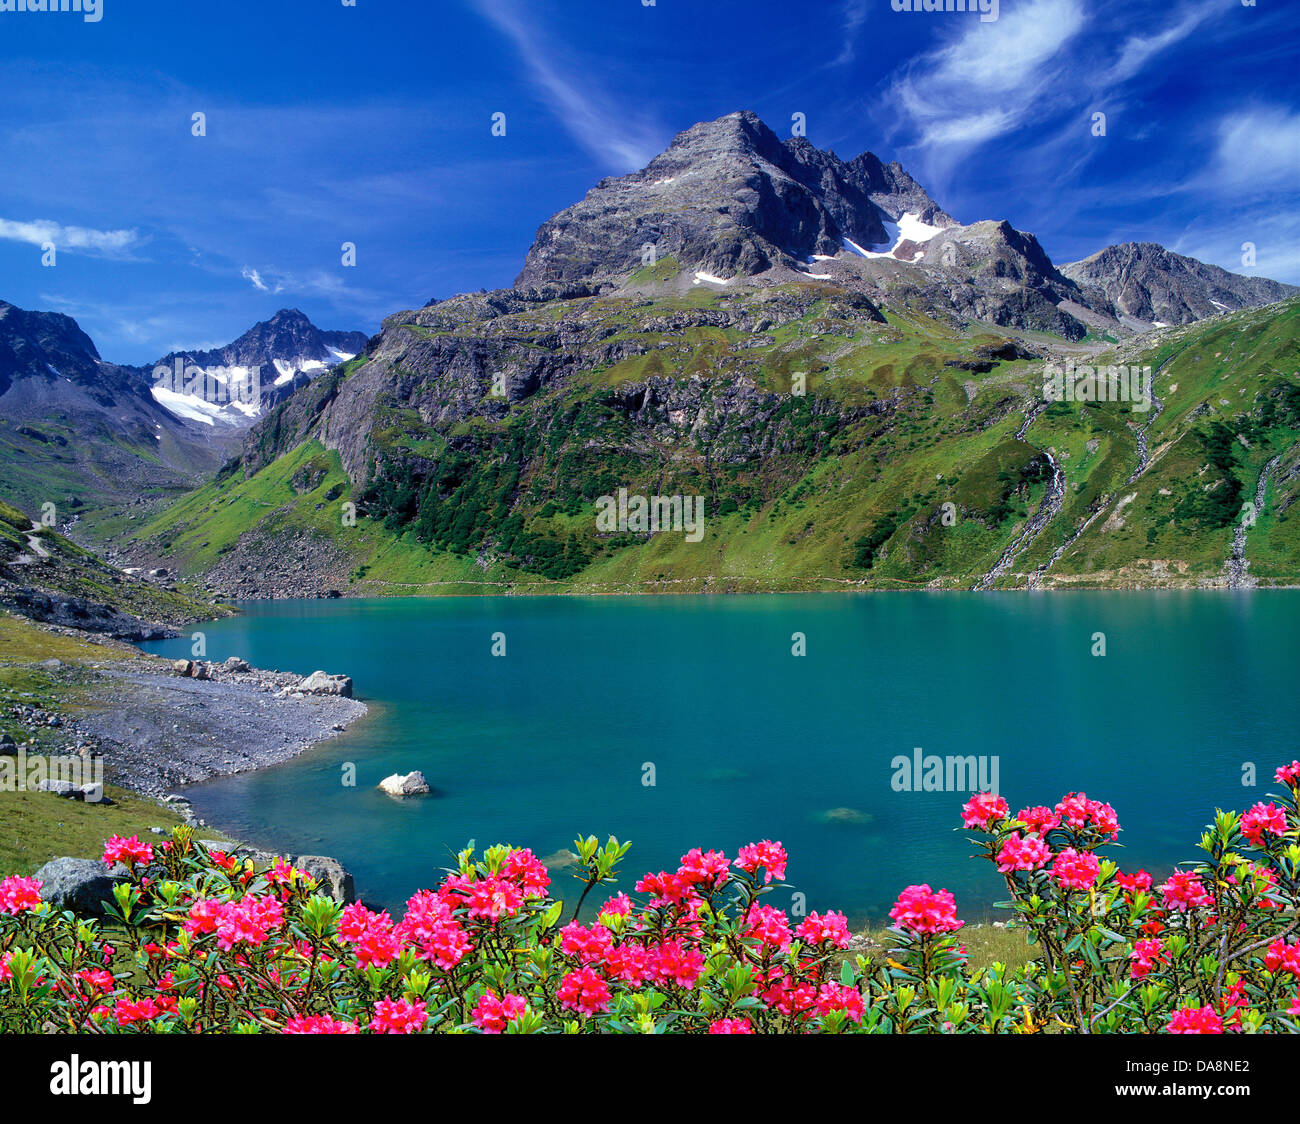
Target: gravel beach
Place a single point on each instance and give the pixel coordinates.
(159, 730)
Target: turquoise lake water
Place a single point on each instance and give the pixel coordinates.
(748, 741)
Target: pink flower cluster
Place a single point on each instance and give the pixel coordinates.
(983, 810)
(1289, 774)
(1183, 891)
(493, 1013)
(1195, 1020)
(1076, 870)
(250, 919)
(922, 910)
(1147, 955)
(129, 851)
(1263, 818)
(768, 855)
(1023, 853)
(18, 895)
(1079, 813)
(1283, 957)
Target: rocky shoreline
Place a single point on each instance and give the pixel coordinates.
(159, 725)
(160, 730)
(170, 730)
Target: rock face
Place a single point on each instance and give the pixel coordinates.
(727, 197)
(83, 885)
(77, 612)
(1149, 283)
(412, 784)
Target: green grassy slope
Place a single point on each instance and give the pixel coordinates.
(900, 466)
(42, 559)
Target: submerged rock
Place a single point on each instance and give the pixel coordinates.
(411, 784)
(845, 816)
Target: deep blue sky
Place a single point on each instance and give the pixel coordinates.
(371, 124)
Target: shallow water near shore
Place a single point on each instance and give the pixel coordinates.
(747, 741)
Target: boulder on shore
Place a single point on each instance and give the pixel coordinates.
(319, 683)
(410, 784)
(83, 885)
(332, 878)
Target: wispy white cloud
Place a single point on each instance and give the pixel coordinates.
(254, 278)
(109, 243)
(1138, 50)
(1257, 149)
(611, 134)
(314, 283)
(1274, 242)
(853, 16)
(990, 77)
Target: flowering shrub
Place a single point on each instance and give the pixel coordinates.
(198, 940)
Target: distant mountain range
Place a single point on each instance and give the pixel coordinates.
(850, 378)
(76, 429)
(1146, 282)
(237, 383)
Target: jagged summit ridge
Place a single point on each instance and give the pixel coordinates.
(1145, 281)
(728, 197)
(259, 369)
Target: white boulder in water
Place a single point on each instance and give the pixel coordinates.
(412, 784)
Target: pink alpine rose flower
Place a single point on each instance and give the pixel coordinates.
(320, 1024)
(1195, 1020)
(770, 856)
(128, 851)
(983, 810)
(1076, 870)
(1183, 891)
(1283, 957)
(768, 925)
(818, 928)
(1023, 853)
(731, 1026)
(1039, 820)
(399, 1016)
(840, 997)
(19, 894)
(922, 910)
(1146, 956)
(1289, 775)
(493, 1014)
(585, 991)
(1263, 818)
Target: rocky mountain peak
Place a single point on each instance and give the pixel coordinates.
(1148, 283)
(286, 352)
(727, 197)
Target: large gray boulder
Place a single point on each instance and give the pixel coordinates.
(319, 683)
(82, 885)
(333, 879)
